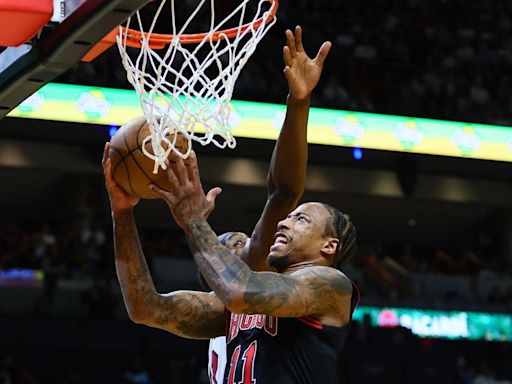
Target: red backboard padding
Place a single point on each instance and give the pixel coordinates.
(20, 20)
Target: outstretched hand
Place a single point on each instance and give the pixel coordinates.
(302, 72)
(186, 199)
(120, 200)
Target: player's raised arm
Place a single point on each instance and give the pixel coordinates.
(188, 314)
(287, 173)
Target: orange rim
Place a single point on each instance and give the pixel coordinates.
(160, 41)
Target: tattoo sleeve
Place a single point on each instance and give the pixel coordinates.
(311, 291)
(184, 313)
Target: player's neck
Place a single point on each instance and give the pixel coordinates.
(303, 264)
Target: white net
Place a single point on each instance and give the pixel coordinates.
(187, 88)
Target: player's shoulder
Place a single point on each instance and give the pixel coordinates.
(321, 276)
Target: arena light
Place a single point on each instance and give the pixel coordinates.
(357, 153)
(21, 277)
(441, 324)
(106, 106)
(112, 130)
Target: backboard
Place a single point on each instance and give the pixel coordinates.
(75, 26)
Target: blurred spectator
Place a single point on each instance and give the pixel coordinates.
(137, 373)
(496, 297)
(44, 242)
(486, 375)
(11, 372)
(52, 269)
(363, 332)
(100, 299)
(335, 94)
(508, 298)
(465, 373)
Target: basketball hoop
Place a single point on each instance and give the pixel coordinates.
(185, 81)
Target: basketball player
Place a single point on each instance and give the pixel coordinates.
(286, 175)
(199, 315)
(286, 326)
(236, 243)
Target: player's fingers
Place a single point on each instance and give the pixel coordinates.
(287, 56)
(288, 74)
(212, 194)
(323, 52)
(298, 39)
(181, 172)
(110, 183)
(290, 42)
(107, 170)
(171, 174)
(166, 195)
(193, 170)
(106, 151)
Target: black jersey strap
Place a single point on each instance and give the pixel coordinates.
(227, 316)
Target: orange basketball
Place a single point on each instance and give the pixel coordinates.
(131, 168)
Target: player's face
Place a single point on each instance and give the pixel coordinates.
(236, 242)
(300, 237)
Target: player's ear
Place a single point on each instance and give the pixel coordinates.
(330, 246)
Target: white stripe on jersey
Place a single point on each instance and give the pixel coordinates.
(217, 360)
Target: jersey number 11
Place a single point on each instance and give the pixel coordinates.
(248, 364)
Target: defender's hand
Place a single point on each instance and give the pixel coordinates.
(186, 199)
(120, 200)
(302, 72)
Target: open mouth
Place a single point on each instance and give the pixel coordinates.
(280, 238)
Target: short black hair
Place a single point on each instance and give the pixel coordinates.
(340, 227)
(202, 281)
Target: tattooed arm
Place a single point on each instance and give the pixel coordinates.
(189, 314)
(195, 315)
(319, 291)
(322, 292)
(287, 172)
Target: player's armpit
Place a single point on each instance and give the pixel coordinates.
(322, 292)
(189, 314)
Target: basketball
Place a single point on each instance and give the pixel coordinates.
(131, 168)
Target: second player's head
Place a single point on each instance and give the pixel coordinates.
(235, 242)
(316, 234)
